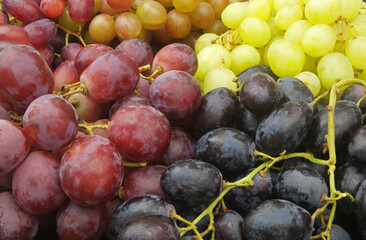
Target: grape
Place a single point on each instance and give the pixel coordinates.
(219, 6)
(244, 57)
(120, 6)
(4, 18)
(70, 51)
(162, 36)
(130, 100)
(50, 122)
(204, 40)
(152, 15)
(52, 8)
(14, 146)
(234, 14)
(102, 28)
(192, 37)
(185, 5)
(278, 219)
(128, 26)
(119, 81)
(247, 121)
(318, 40)
(78, 222)
(64, 74)
(230, 150)
(4, 114)
(229, 225)
(285, 58)
(166, 3)
(310, 64)
(278, 4)
(14, 34)
(332, 67)
(35, 78)
(143, 181)
(304, 187)
(181, 147)
(216, 27)
(296, 30)
(212, 56)
(26, 11)
(259, 93)
(81, 10)
(91, 170)
(41, 32)
(140, 140)
(296, 163)
(275, 31)
(259, 8)
(348, 118)
(356, 147)
(150, 227)
(137, 207)
(138, 49)
(322, 11)
(203, 15)
(350, 9)
(87, 109)
(105, 8)
(211, 115)
(294, 89)
(256, 69)
(244, 199)
(66, 21)
(191, 182)
(288, 15)
(15, 223)
(36, 183)
(354, 93)
(46, 52)
(219, 78)
(88, 54)
(176, 56)
(355, 53)
(255, 31)
(176, 94)
(285, 128)
(178, 24)
(356, 27)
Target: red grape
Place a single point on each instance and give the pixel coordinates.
(120, 6)
(78, 222)
(70, 51)
(81, 10)
(64, 74)
(24, 75)
(138, 49)
(101, 132)
(130, 100)
(14, 33)
(176, 56)
(141, 133)
(143, 181)
(143, 87)
(50, 122)
(176, 93)
(46, 52)
(87, 109)
(36, 183)
(88, 54)
(15, 223)
(91, 170)
(111, 76)
(4, 114)
(26, 11)
(52, 8)
(41, 32)
(14, 146)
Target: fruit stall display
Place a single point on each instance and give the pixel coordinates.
(182, 119)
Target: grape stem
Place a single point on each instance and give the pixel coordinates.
(69, 32)
(15, 118)
(158, 71)
(87, 128)
(68, 90)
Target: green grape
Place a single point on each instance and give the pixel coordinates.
(355, 51)
(357, 27)
(200, 83)
(255, 31)
(296, 30)
(323, 11)
(265, 50)
(305, 1)
(205, 40)
(243, 57)
(216, 27)
(338, 29)
(278, 4)
(285, 58)
(271, 4)
(287, 16)
(261, 54)
(219, 77)
(333, 67)
(210, 57)
(234, 14)
(362, 75)
(152, 15)
(259, 8)
(275, 31)
(319, 40)
(311, 80)
(350, 8)
(311, 64)
(65, 21)
(237, 40)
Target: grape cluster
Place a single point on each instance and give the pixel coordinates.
(182, 119)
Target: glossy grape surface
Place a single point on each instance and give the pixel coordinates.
(229, 226)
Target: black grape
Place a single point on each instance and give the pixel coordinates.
(247, 121)
(261, 68)
(354, 93)
(361, 206)
(357, 147)
(304, 163)
(294, 89)
(229, 226)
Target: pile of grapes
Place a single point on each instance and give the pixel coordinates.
(182, 119)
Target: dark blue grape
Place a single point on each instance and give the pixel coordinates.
(278, 219)
(261, 68)
(294, 89)
(191, 182)
(229, 149)
(360, 204)
(304, 163)
(357, 147)
(285, 128)
(229, 226)
(247, 121)
(354, 93)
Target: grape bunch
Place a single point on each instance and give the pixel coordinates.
(182, 119)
